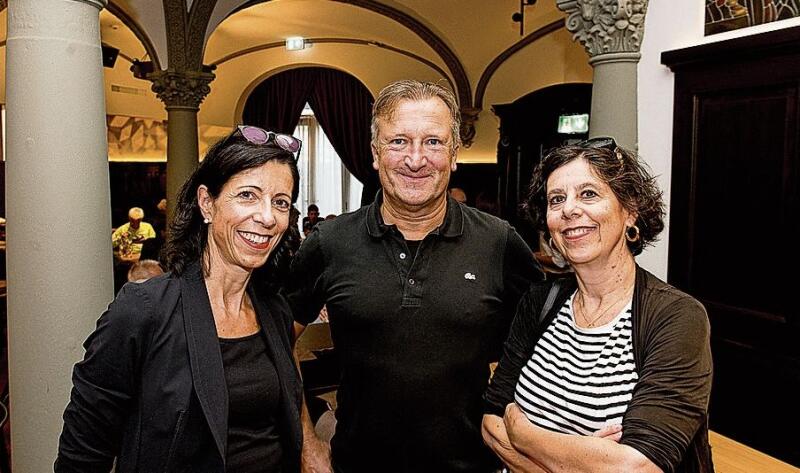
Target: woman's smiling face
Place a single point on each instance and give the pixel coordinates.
(586, 220)
(248, 217)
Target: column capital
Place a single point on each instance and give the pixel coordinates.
(469, 115)
(606, 26)
(100, 4)
(181, 89)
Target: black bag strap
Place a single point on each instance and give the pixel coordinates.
(551, 298)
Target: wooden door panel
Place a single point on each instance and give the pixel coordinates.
(741, 152)
(734, 215)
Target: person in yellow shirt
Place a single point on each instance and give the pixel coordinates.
(128, 238)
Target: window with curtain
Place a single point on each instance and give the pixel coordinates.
(324, 180)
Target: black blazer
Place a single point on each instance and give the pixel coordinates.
(151, 389)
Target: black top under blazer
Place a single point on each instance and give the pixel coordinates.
(151, 389)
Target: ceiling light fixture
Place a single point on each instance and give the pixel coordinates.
(295, 43)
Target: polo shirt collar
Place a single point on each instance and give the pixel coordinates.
(452, 227)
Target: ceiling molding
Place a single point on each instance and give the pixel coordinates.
(361, 42)
(137, 31)
(480, 90)
(462, 88)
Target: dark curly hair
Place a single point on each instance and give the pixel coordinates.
(629, 179)
(188, 235)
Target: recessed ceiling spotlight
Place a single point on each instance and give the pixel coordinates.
(295, 43)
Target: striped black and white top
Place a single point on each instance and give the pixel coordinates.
(579, 380)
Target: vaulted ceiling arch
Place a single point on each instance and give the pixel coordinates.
(137, 30)
(454, 65)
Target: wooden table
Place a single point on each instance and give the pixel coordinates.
(731, 456)
(315, 337)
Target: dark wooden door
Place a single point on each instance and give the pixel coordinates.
(734, 232)
(528, 130)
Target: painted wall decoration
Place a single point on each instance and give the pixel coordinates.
(136, 138)
(726, 15)
(145, 139)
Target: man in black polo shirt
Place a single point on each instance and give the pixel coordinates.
(420, 292)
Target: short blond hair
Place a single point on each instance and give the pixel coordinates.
(136, 213)
(390, 97)
(143, 270)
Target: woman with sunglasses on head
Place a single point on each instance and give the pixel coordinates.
(609, 369)
(192, 371)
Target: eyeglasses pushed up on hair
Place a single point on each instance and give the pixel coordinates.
(260, 136)
(606, 142)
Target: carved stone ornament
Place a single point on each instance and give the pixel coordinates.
(181, 89)
(469, 115)
(606, 26)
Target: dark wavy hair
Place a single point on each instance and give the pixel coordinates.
(628, 177)
(188, 235)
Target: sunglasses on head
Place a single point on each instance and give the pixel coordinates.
(604, 142)
(260, 136)
(599, 142)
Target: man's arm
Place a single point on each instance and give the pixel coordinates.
(304, 295)
(315, 456)
(520, 269)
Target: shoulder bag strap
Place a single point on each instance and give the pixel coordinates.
(551, 298)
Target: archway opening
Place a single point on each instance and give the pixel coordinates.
(337, 115)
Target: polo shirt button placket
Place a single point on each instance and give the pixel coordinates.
(402, 256)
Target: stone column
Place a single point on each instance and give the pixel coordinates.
(59, 218)
(182, 93)
(611, 31)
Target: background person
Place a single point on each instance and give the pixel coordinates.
(312, 217)
(143, 270)
(618, 349)
(193, 371)
(458, 195)
(128, 238)
(420, 292)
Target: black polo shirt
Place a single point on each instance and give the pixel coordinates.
(415, 333)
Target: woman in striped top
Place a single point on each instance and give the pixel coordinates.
(609, 370)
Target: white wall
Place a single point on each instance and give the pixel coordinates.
(666, 30)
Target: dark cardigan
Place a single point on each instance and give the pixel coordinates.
(667, 418)
(151, 389)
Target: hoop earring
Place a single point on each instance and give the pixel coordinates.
(635, 236)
